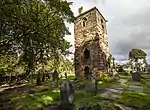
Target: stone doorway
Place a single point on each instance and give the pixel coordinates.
(86, 57)
(87, 72)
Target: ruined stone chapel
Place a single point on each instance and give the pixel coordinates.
(91, 43)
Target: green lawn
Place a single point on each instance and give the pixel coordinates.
(139, 100)
(44, 96)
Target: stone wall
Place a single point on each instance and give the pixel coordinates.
(91, 34)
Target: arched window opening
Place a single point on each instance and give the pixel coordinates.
(102, 21)
(103, 26)
(84, 22)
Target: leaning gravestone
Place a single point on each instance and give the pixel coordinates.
(136, 76)
(67, 95)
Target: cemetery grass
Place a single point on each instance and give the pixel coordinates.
(47, 94)
(138, 100)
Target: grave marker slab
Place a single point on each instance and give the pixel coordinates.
(92, 84)
(67, 94)
(136, 76)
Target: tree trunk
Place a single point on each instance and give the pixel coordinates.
(38, 79)
(43, 77)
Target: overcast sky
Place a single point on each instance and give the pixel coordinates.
(128, 24)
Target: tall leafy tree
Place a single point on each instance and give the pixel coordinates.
(136, 54)
(36, 28)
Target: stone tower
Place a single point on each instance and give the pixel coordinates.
(91, 43)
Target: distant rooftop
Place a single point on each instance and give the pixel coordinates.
(94, 8)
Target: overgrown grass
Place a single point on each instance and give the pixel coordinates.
(71, 76)
(43, 99)
(88, 101)
(35, 101)
(25, 101)
(138, 100)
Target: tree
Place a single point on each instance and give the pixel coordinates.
(7, 64)
(61, 64)
(136, 54)
(36, 28)
(145, 61)
(80, 10)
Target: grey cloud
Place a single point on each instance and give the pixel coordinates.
(130, 32)
(120, 57)
(100, 1)
(128, 24)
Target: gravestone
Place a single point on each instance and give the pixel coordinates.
(32, 91)
(136, 76)
(55, 77)
(67, 95)
(92, 84)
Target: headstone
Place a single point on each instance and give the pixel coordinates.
(136, 76)
(55, 77)
(67, 94)
(92, 84)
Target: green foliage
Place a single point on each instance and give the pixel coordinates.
(105, 77)
(35, 29)
(138, 100)
(47, 98)
(6, 63)
(9, 65)
(71, 76)
(136, 54)
(145, 61)
(36, 101)
(87, 101)
(60, 64)
(108, 106)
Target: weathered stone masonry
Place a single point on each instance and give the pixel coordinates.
(91, 43)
